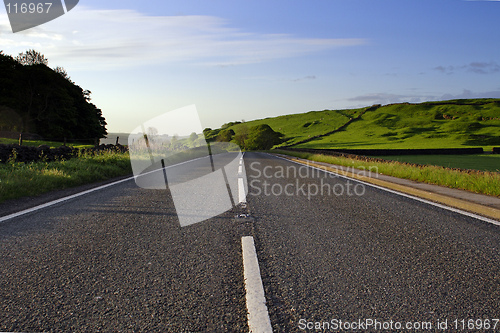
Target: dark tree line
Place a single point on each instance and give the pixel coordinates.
(37, 99)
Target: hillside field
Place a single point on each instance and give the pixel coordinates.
(444, 124)
(299, 127)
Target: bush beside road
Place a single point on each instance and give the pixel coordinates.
(23, 179)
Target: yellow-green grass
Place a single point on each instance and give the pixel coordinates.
(30, 179)
(476, 181)
(484, 162)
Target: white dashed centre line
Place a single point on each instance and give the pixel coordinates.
(242, 197)
(258, 317)
(241, 191)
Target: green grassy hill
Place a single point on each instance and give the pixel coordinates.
(443, 124)
(299, 127)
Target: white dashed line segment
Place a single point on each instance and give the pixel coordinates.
(258, 317)
(242, 197)
(241, 191)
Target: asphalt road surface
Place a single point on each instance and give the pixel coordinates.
(331, 252)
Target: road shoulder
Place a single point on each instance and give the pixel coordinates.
(16, 205)
(485, 205)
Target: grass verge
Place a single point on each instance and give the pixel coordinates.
(29, 179)
(483, 182)
(36, 143)
(484, 162)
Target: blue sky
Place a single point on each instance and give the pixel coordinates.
(253, 59)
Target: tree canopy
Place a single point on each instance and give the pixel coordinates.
(225, 135)
(47, 101)
(262, 137)
(32, 57)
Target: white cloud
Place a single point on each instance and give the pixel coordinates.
(471, 94)
(88, 38)
(309, 77)
(385, 98)
(477, 67)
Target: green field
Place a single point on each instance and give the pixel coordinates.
(484, 162)
(444, 124)
(426, 125)
(298, 127)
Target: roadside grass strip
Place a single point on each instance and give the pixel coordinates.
(19, 179)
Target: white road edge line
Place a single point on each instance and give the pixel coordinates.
(51, 203)
(455, 210)
(55, 202)
(258, 317)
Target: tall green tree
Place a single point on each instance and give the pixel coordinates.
(241, 136)
(262, 137)
(225, 135)
(48, 102)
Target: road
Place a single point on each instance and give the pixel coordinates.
(118, 260)
(377, 255)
